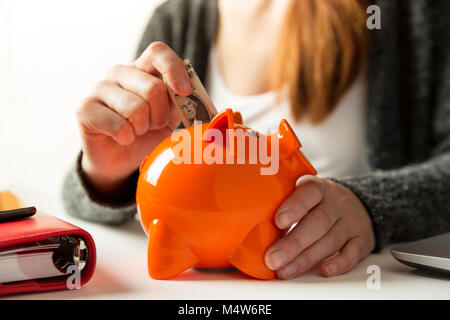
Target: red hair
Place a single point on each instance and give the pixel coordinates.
(321, 49)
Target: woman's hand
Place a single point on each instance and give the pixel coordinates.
(129, 114)
(332, 223)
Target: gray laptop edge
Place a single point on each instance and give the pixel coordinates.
(431, 253)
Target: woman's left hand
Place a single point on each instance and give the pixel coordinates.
(332, 222)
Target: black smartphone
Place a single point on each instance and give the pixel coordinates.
(16, 214)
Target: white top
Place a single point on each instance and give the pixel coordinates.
(335, 147)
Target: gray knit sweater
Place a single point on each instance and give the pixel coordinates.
(407, 192)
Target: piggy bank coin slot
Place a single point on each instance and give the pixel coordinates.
(253, 133)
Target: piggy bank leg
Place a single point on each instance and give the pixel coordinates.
(249, 255)
(168, 255)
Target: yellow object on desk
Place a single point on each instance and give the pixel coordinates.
(8, 201)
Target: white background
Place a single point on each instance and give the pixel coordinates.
(51, 54)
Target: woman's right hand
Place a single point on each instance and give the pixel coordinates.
(128, 114)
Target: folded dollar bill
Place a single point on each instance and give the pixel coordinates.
(198, 105)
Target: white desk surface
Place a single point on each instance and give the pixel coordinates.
(121, 274)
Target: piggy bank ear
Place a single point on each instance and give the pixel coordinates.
(289, 142)
(223, 121)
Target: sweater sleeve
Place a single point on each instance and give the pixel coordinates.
(81, 200)
(413, 202)
(408, 203)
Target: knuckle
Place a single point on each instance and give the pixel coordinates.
(358, 250)
(344, 198)
(113, 71)
(159, 87)
(136, 107)
(299, 203)
(295, 242)
(158, 122)
(349, 261)
(334, 240)
(287, 245)
(351, 257)
(119, 127)
(173, 68)
(345, 262)
(99, 86)
(346, 228)
(323, 217)
(342, 194)
(314, 181)
(304, 261)
(84, 107)
(318, 187)
(156, 46)
(136, 104)
(308, 195)
(153, 89)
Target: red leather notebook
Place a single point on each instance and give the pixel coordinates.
(39, 228)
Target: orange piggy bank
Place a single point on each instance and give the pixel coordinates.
(206, 196)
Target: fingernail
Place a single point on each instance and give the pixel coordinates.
(185, 86)
(331, 269)
(288, 271)
(285, 219)
(276, 259)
